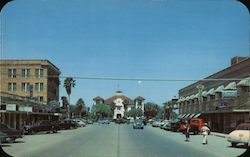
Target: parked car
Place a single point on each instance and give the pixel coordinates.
(175, 125)
(3, 137)
(64, 124)
(156, 124)
(240, 135)
(167, 126)
(79, 123)
(90, 122)
(41, 126)
(104, 122)
(121, 121)
(138, 124)
(12, 133)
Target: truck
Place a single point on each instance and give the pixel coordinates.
(195, 125)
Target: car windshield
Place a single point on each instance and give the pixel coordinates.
(124, 78)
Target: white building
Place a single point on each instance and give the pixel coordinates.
(121, 103)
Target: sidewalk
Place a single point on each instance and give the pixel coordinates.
(219, 134)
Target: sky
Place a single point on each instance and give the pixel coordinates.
(161, 39)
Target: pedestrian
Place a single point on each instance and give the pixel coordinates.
(187, 129)
(205, 131)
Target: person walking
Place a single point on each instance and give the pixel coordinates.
(205, 131)
(187, 129)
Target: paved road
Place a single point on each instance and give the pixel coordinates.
(119, 141)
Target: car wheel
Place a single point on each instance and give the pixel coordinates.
(234, 144)
(53, 129)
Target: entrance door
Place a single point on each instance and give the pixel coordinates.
(118, 116)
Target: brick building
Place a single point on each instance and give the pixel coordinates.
(28, 90)
(222, 99)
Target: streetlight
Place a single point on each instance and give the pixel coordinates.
(200, 87)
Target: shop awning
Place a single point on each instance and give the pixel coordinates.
(219, 89)
(204, 93)
(183, 115)
(245, 82)
(186, 116)
(196, 95)
(191, 97)
(231, 86)
(187, 98)
(192, 115)
(179, 116)
(197, 115)
(211, 92)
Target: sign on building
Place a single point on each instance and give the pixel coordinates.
(11, 107)
(25, 108)
(229, 93)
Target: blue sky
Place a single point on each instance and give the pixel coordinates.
(127, 38)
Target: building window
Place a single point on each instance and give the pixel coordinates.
(39, 72)
(25, 87)
(12, 73)
(11, 87)
(25, 73)
(40, 98)
(39, 87)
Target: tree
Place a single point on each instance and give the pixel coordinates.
(69, 83)
(151, 110)
(80, 105)
(134, 113)
(102, 110)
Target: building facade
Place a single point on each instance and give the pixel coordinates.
(28, 90)
(121, 103)
(30, 78)
(222, 99)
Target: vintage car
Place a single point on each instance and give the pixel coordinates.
(240, 135)
(41, 126)
(138, 124)
(12, 133)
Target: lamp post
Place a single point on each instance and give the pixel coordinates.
(200, 87)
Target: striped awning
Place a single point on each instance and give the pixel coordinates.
(245, 82)
(231, 86)
(211, 92)
(204, 93)
(197, 115)
(219, 89)
(192, 115)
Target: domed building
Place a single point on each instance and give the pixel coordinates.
(121, 103)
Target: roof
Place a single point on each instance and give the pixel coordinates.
(98, 98)
(123, 97)
(139, 98)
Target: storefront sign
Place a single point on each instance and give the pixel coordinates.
(25, 108)
(11, 107)
(229, 94)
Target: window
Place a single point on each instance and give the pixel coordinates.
(11, 87)
(40, 98)
(12, 73)
(39, 87)
(25, 73)
(25, 87)
(39, 72)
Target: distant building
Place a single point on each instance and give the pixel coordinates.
(29, 89)
(121, 103)
(222, 103)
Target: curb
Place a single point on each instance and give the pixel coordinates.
(219, 135)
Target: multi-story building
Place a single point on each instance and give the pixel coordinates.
(121, 103)
(28, 88)
(222, 99)
(31, 78)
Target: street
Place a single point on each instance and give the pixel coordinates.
(114, 140)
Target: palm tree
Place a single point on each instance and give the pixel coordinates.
(69, 83)
(79, 106)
